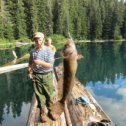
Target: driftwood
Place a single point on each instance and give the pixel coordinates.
(12, 68)
(17, 60)
(80, 114)
(11, 65)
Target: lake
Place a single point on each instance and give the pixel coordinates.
(102, 71)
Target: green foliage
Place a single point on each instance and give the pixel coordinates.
(119, 37)
(84, 19)
(58, 39)
(45, 23)
(3, 41)
(24, 39)
(6, 30)
(30, 10)
(1, 28)
(6, 43)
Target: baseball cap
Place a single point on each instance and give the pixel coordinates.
(38, 35)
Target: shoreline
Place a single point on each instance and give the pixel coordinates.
(111, 40)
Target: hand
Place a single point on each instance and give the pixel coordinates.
(30, 76)
(38, 62)
(43, 63)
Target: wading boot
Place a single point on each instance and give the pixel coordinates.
(43, 115)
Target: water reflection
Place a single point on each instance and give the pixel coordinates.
(21, 120)
(15, 93)
(101, 61)
(7, 55)
(103, 71)
(112, 98)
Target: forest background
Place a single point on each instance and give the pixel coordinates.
(84, 19)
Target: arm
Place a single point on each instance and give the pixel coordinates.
(46, 64)
(43, 63)
(30, 69)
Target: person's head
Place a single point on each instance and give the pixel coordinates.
(49, 41)
(38, 38)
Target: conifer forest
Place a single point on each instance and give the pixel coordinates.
(84, 19)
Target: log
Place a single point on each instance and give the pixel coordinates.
(32, 110)
(80, 114)
(74, 114)
(13, 67)
(17, 60)
(67, 116)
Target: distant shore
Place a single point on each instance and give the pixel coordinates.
(111, 40)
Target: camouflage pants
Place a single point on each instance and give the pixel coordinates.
(44, 89)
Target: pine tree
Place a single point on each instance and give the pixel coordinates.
(80, 23)
(30, 8)
(84, 19)
(107, 21)
(61, 17)
(17, 17)
(118, 20)
(73, 4)
(45, 22)
(6, 30)
(1, 19)
(123, 28)
(95, 20)
(21, 24)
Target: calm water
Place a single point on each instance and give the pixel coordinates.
(102, 71)
(15, 91)
(15, 98)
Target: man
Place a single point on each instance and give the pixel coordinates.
(40, 68)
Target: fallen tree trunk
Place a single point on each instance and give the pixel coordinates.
(13, 67)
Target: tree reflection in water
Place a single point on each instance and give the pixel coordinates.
(101, 61)
(15, 89)
(103, 72)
